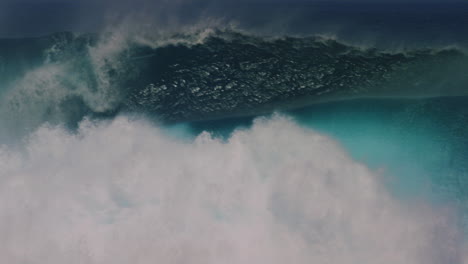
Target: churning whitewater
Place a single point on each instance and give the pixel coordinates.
(124, 191)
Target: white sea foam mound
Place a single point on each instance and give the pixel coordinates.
(127, 192)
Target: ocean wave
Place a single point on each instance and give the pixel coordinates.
(208, 73)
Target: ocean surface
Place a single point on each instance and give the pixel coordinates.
(306, 133)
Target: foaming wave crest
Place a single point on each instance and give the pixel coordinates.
(125, 191)
(77, 74)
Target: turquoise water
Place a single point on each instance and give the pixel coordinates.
(420, 145)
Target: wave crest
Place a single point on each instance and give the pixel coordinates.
(209, 73)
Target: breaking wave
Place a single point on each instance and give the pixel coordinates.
(204, 74)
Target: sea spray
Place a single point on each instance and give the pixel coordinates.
(125, 191)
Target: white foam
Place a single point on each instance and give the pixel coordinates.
(126, 192)
(32, 97)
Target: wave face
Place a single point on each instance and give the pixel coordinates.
(208, 74)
